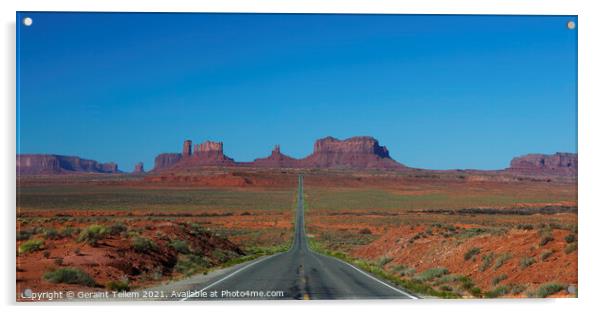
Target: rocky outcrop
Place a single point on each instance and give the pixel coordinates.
(540, 164)
(354, 153)
(187, 148)
(276, 160)
(362, 152)
(167, 160)
(36, 164)
(138, 168)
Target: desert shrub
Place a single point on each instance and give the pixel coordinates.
(31, 246)
(571, 247)
(143, 245)
(407, 272)
(384, 261)
(190, 264)
(446, 288)
(545, 239)
(69, 231)
(52, 234)
(432, 273)
(399, 267)
(365, 231)
(92, 234)
(224, 255)
(497, 292)
(24, 235)
(526, 262)
(471, 252)
(70, 275)
(549, 288)
(120, 285)
(545, 254)
(471, 232)
(245, 213)
(498, 279)
(516, 288)
(501, 259)
(475, 291)
(524, 226)
(46, 254)
(570, 238)
(196, 229)
(487, 261)
(181, 246)
(466, 282)
(117, 228)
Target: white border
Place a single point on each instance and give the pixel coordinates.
(590, 212)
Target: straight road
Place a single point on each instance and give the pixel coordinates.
(299, 273)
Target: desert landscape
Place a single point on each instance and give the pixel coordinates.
(507, 233)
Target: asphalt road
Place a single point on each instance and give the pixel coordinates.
(299, 273)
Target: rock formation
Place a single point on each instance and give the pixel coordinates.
(556, 164)
(138, 168)
(187, 148)
(276, 160)
(167, 160)
(353, 153)
(34, 164)
(362, 152)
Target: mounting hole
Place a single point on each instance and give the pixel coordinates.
(570, 25)
(27, 21)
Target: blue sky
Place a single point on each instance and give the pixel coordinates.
(441, 92)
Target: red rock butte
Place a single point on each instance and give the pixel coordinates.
(356, 153)
(362, 152)
(33, 164)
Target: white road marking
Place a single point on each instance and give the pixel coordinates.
(372, 277)
(196, 293)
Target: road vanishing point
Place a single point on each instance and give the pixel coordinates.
(299, 273)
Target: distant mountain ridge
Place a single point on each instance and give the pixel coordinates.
(559, 163)
(361, 152)
(355, 153)
(32, 164)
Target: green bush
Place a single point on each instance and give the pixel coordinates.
(472, 252)
(487, 261)
(497, 292)
(546, 254)
(69, 231)
(549, 288)
(24, 235)
(517, 288)
(501, 259)
(52, 234)
(570, 238)
(92, 234)
(121, 285)
(181, 246)
(498, 279)
(117, 228)
(526, 262)
(525, 226)
(31, 246)
(545, 239)
(432, 273)
(143, 245)
(384, 261)
(70, 275)
(571, 247)
(190, 264)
